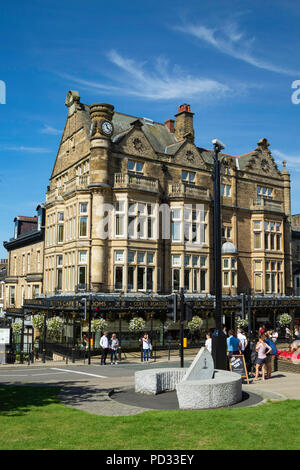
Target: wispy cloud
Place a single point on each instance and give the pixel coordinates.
(293, 161)
(21, 148)
(156, 81)
(50, 130)
(231, 41)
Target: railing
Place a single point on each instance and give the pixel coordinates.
(182, 189)
(79, 182)
(134, 181)
(267, 204)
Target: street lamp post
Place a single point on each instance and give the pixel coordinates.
(219, 346)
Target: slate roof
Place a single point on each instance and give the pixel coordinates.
(159, 136)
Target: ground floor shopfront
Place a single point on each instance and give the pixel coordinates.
(162, 314)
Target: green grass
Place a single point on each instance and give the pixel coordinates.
(32, 418)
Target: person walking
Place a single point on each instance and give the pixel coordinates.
(262, 330)
(243, 339)
(233, 344)
(274, 336)
(270, 343)
(114, 345)
(208, 342)
(104, 348)
(146, 347)
(262, 349)
(296, 333)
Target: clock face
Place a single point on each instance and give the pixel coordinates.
(107, 127)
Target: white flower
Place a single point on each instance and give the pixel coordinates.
(98, 325)
(17, 327)
(285, 319)
(38, 322)
(137, 324)
(54, 326)
(242, 323)
(195, 323)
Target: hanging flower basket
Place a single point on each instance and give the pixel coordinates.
(17, 327)
(98, 324)
(285, 319)
(195, 323)
(38, 322)
(137, 324)
(240, 323)
(54, 326)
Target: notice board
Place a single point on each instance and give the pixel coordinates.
(237, 364)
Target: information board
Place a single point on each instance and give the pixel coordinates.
(4, 335)
(237, 364)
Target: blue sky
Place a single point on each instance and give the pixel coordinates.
(233, 61)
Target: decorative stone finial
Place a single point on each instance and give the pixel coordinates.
(263, 144)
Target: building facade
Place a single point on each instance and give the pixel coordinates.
(129, 214)
(119, 181)
(24, 278)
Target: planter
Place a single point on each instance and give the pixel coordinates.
(282, 365)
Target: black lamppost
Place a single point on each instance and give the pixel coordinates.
(219, 346)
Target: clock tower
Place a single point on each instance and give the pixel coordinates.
(101, 131)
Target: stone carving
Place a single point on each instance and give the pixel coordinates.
(138, 145)
(189, 156)
(202, 367)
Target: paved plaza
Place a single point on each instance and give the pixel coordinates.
(108, 390)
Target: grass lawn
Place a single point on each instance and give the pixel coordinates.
(32, 418)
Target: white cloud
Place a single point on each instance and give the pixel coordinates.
(50, 130)
(231, 41)
(22, 148)
(155, 82)
(292, 161)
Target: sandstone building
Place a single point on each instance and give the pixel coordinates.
(129, 210)
(24, 277)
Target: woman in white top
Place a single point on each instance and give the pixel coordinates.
(146, 347)
(208, 342)
(113, 344)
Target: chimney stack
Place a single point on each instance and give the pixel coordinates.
(184, 123)
(170, 123)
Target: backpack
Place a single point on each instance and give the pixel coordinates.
(272, 345)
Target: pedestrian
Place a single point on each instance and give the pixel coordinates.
(233, 344)
(224, 329)
(296, 333)
(208, 342)
(274, 336)
(288, 334)
(37, 347)
(270, 343)
(262, 349)
(104, 348)
(114, 345)
(243, 339)
(146, 344)
(262, 330)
